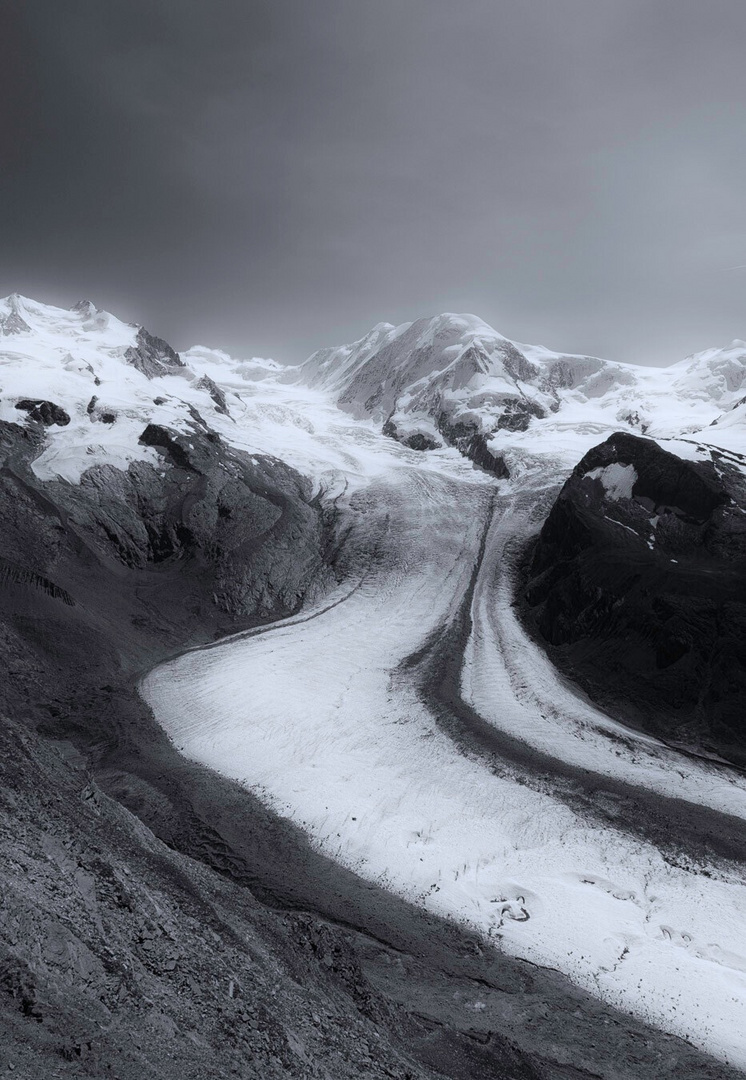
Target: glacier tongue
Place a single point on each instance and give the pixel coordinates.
(336, 737)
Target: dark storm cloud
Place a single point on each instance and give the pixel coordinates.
(272, 176)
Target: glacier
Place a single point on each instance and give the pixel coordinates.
(323, 716)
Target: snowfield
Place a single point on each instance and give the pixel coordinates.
(322, 715)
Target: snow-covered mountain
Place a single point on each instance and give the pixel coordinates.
(106, 380)
(450, 380)
(453, 379)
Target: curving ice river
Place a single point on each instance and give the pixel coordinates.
(323, 716)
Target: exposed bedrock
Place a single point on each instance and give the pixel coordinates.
(44, 412)
(415, 440)
(470, 441)
(466, 435)
(13, 322)
(637, 584)
(152, 355)
(241, 531)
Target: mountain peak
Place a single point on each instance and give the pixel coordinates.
(452, 378)
(11, 318)
(86, 308)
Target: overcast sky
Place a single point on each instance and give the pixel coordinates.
(271, 176)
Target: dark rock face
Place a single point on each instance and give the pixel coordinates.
(417, 441)
(468, 439)
(637, 582)
(153, 356)
(476, 448)
(217, 395)
(169, 442)
(516, 363)
(245, 531)
(45, 412)
(86, 308)
(420, 442)
(472, 443)
(518, 413)
(105, 416)
(564, 374)
(212, 538)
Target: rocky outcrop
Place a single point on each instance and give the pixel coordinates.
(517, 414)
(415, 440)
(470, 441)
(240, 535)
(152, 355)
(13, 323)
(217, 395)
(465, 434)
(637, 584)
(44, 412)
(98, 414)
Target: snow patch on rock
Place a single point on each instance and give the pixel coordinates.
(618, 480)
